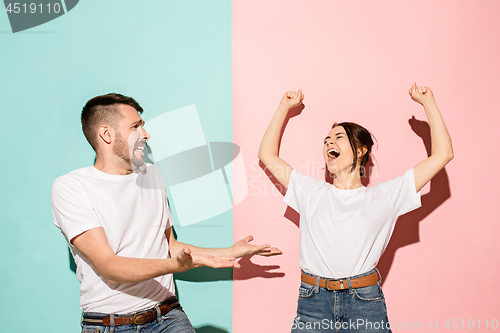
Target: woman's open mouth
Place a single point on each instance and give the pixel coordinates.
(333, 153)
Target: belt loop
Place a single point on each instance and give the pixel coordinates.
(379, 277)
(316, 288)
(158, 313)
(112, 323)
(350, 285)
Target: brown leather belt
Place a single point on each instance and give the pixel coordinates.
(360, 282)
(138, 318)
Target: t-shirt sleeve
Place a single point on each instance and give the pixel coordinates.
(71, 210)
(168, 215)
(402, 193)
(299, 187)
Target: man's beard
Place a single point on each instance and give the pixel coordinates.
(121, 150)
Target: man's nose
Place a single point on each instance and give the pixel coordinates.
(145, 135)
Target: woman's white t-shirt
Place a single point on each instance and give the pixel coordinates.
(132, 209)
(344, 232)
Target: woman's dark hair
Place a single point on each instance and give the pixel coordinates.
(103, 109)
(359, 137)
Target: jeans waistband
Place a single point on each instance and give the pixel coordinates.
(346, 284)
(88, 317)
(345, 278)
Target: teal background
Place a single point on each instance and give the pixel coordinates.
(164, 54)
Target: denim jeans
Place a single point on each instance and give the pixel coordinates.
(352, 310)
(175, 321)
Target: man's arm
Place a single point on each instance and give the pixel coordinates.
(94, 245)
(239, 249)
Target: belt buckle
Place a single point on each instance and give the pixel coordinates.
(341, 287)
(137, 314)
(326, 285)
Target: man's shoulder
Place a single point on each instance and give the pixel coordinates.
(73, 177)
(78, 173)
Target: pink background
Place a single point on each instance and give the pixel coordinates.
(355, 62)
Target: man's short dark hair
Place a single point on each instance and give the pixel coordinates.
(103, 110)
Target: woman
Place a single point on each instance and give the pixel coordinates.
(345, 227)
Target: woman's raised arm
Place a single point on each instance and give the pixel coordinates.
(269, 146)
(441, 148)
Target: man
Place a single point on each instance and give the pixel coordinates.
(116, 220)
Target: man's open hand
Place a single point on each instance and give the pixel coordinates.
(187, 260)
(244, 248)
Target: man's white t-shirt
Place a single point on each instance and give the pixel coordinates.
(344, 232)
(134, 213)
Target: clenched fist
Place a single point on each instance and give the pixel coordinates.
(420, 94)
(292, 99)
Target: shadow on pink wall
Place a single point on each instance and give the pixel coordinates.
(406, 231)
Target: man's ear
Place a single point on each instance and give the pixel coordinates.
(106, 133)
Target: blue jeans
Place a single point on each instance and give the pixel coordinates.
(357, 310)
(175, 321)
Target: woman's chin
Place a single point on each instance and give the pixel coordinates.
(331, 170)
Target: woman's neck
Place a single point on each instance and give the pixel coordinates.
(348, 181)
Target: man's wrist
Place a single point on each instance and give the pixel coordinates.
(231, 252)
(175, 266)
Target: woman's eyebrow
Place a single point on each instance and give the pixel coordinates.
(340, 133)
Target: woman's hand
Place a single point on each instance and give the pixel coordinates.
(292, 99)
(420, 94)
